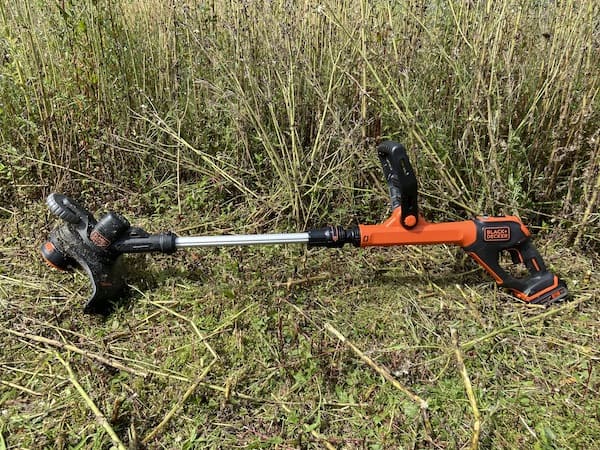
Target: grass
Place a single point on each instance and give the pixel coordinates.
(219, 117)
(230, 348)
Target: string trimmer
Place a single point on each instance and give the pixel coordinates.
(96, 246)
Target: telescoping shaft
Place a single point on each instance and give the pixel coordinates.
(139, 242)
(241, 239)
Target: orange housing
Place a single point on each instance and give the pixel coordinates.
(391, 232)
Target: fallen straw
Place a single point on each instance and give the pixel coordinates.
(90, 403)
(380, 370)
(550, 312)
(107, 361)
(191, 389)
(469, 388)
(385, 374)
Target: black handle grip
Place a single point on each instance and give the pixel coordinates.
(138, 241)
(390, 154)
(498, 234)
(401, 180)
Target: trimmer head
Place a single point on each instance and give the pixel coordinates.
(76, 243)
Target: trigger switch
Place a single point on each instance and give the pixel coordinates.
(515, 256)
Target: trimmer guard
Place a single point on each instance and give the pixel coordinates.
(105, 271)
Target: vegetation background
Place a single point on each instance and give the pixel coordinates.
(255, 116)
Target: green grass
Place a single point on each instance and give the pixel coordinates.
(219, 117)
(279, 376)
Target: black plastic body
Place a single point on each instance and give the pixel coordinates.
(333, 237)
(96, 247)
(496, 235)
(103, 267)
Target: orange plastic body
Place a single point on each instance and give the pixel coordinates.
(391, 232)
(483, 238)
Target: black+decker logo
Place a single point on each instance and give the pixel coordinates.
(496, 234)
(99, 240)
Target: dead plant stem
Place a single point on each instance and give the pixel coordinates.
(469, 388)
(177, 406)
(385, 374)
(108, 361)
(90, 403)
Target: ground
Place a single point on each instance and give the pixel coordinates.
(288, 347)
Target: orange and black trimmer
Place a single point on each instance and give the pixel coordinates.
(97, 245)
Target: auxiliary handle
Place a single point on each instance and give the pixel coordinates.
(401, 180)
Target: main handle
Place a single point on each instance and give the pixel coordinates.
(495, 235)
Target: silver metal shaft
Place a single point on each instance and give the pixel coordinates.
(241, 239)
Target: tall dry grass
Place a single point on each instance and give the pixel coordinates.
(280, 103)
